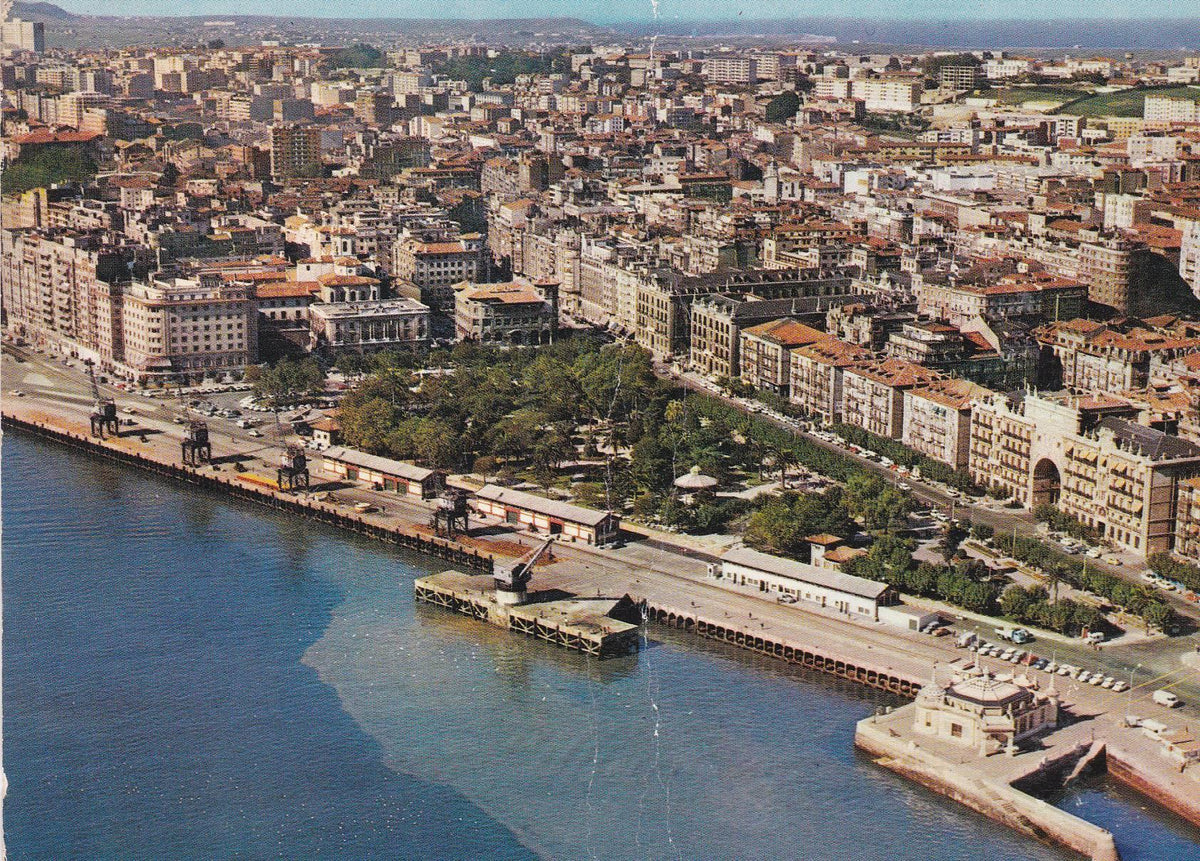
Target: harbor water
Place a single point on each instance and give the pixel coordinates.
(186, 677)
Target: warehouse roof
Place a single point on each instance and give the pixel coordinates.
(384, 465)
(541, 505)
(805, 573)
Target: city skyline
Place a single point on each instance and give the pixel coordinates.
(664, 10)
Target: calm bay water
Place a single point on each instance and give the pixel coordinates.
(185, 677)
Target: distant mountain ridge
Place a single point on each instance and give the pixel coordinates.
(1081, 34)
(40, 12)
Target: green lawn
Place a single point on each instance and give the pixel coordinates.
(1025, 95)
(1127, 103)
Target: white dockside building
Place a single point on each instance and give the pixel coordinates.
(824, 587)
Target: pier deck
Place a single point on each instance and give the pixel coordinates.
(594, 626)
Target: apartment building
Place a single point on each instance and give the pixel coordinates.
(187, 327)
(1089, 356)
(731, 70)
(1189, 255)
(717, 320)
(888, 95)
(937, 420)
(1122, 479)
(873, 394)
(1020, 441)
(1111, 269)
(436, 264)
(764, 353)
(1036, 295)
(18, 35)
(1165, 111)
(815, 376)
(1187, 519)
(295, 151)
(516, 313)
(793, 246)
(64, 287)
(960, 76)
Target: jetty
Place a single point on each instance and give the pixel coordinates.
(600, 627)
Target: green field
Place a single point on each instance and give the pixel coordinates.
(1127, 103)
(1025, 95)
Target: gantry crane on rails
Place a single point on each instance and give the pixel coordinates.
(104, 409)
(196, 445)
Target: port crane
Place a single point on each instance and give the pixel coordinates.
(451, 514)
(104, 410)
(196, 446)
(512, 579)
(293, 462)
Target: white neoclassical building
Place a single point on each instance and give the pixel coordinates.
(981, 711)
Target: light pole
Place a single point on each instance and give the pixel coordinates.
(1129, 700)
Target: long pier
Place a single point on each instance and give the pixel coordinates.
(744, 637)
(451, 551)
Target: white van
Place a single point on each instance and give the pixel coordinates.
(1165, 698)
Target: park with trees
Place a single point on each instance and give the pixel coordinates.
(590, 421)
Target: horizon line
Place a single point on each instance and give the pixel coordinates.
(676, 20)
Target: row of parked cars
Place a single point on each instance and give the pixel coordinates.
(1168, 585)
(1017, 655)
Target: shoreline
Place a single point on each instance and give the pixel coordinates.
(1122, 763)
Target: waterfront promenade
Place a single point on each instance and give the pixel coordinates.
(671, 582)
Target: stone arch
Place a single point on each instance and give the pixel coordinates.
(1047, 482)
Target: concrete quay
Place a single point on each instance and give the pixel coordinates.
(599, 627)
(986, 785)
(1006, 788)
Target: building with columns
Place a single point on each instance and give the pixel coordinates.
(369, 326)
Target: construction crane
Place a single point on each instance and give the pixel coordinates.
(196, 446)
(104, 410)
(512, 579)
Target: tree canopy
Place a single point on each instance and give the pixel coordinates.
(783, 107)
(357, 56)
(287, 380)
(48, 166)
(504, 67)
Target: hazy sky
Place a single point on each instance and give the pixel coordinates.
(641, 10)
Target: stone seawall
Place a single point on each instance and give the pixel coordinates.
(1123, 766)
(995, 799)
